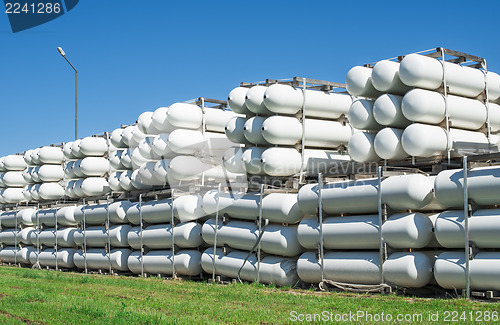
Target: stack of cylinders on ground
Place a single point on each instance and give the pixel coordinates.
(163, 247)
(239, 233)
(272, 132)
(402, 111)
(86, 167)
(180, 143)
(11, 179)
(44, 174)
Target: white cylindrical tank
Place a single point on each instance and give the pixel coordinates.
(116, 138)
(281, 271)
(126, 158)
(115, 159)
(14, 163)
(125, 180)
(411, 270)
(361, 115)
(352, 232)
(186, 116)
(160, 120)
(186, 262)
(252, 130)
(188, 207)
(359, 82)
(185, 168)
(284, 99)
(385, 78)
(277, 207)
(146, 148)
(13, 179)
(236, 100)
(93, 166)
(16, 236)
(145, 123)
(128, 137)
(276, 239)
(407, 230)
(50, 173)
(186, 235)
(67, 150)
(254, 100)
(398, 192)
(185, 142)
(12, 195)
(449, 270)
(346, 267)
(234, 130)
(97, 259)
(429, 107)
(51, 155)
(98, 236)
(47, 237)
(95, 186)
(387, 111)
(93, 146)
(387, 144)
(65, 216)
(27, 157)
(98, 213)
(318, 133)
(252, 160)
(484, 226)
(232, 160)
(11, 254)
(75, 149)
(483, 184)
(361, 147)
(428, 140)
(114, 181)
(420, 71)
(48, 257)
(147, 174)
(152, 212)
(51, 191)
(216, 119)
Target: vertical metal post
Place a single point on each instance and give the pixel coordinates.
(15, 238)
(107, 233)
(172, 221)
(84, 237)
(380, 222)
(303, 145)
(38, 234)
(215, 233)
(320, 217)
(466, 230)
(55, 247)
(260, 230)
(141, 234)
(446, 111)
(203, 127)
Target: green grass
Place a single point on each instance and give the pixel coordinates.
(50, 297)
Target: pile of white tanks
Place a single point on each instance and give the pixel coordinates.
(180, 143)
(402, 108)
(44, 174)
(86, 167)
(424, 247)
(287, 130)
(11, 179)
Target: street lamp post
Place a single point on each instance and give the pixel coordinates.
(61, 51)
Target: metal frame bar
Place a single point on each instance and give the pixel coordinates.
(56, 234)
(141, 234)
(466, 228)
(172, 221)
(320, 221)
(216, 231)
(261, 197)
(380, 223)
(84, 236)
(108, 226)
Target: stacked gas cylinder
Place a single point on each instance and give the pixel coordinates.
(180, 143)
(275, 134)
(11, 179)
(44, 174)
(424, 247)
(402, 109)
(86, 167)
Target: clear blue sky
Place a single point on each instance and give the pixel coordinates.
(135, 56)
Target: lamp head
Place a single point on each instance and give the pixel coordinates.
(61, 51)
